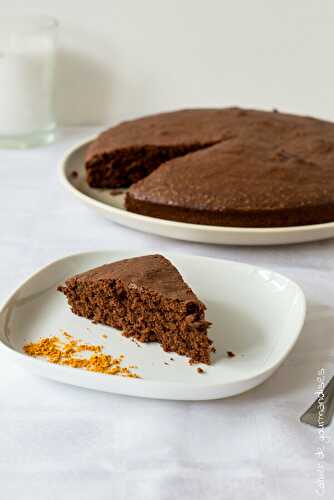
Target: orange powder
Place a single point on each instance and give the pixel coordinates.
(68, 353)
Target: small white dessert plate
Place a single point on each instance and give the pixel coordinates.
(72, 173)
(257, 314)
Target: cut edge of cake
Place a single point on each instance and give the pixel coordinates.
(124, 167)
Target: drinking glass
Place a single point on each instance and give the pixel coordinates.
(27, 63)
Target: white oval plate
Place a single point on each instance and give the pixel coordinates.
(112, 207)
(257, 314)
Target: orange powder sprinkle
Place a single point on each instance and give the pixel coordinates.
(68, 353)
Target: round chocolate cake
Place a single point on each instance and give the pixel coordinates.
(225, 167)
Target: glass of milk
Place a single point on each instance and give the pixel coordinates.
(27, 60)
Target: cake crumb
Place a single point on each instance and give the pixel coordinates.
(74, 174)
(200, 370)
(165, 363)
(104, 336)
(230, 354)
(213, 349)
(68, 353)
(116, 192)
(172, 359)
(135, 341)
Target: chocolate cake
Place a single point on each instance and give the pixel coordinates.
(227, 167)
(147, 298)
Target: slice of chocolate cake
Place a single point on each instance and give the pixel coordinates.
(147, 298)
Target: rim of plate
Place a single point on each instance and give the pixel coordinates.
(252, 376)
(154, 220)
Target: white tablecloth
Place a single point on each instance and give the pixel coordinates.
(62, 442)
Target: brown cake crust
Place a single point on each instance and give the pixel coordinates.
(245, 167)
(148, 299)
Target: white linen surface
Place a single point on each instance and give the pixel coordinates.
(62, 442)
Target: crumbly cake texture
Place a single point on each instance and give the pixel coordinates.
(147, 298)
(227, 167)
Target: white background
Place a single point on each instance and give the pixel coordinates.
(123, 58)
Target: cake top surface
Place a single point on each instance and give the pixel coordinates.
(175, 128)
(202, 126)
(265, 161)
(152, 272)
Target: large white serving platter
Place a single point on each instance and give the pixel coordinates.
(112, 207)
(257, 314)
